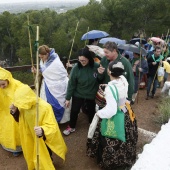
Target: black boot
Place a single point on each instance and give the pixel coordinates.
(152, 96)
(147, 97)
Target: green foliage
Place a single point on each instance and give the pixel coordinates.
(120, 18)
(24, 76)
(164, 110)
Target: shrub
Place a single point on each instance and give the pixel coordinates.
(25, 77)
(164, 110)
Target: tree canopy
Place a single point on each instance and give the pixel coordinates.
(119, 18)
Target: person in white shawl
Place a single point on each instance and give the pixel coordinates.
(111, 108)
(54, 82)
(112, 153)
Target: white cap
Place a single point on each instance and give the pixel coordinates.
(118, 65)
(137, 44)
(168, 59)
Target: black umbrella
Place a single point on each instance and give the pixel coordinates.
(132, 48)
(134, 40)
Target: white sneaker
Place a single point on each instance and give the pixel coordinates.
(69, 130)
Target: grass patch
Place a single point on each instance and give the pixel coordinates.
(164, 110)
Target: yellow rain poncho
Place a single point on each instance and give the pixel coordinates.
(166, 66)
(25, 101)
(9, 132)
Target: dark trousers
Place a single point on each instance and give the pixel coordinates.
(137, 83)
(49, 150)
(75, 109)
(152, 82)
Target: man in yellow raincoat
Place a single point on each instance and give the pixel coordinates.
(24, 111)
(9, 131)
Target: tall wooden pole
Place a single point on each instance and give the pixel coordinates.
(87, 36)
(72, 43)
(37, 98)
(29, 36)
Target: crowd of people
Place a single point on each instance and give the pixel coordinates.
(117, 76)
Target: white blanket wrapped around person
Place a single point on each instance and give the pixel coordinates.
(54, 85)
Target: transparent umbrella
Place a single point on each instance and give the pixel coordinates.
(132, 48)
(112, 39)
(97, 50)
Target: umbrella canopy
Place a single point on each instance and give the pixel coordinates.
(97, 50)
(112, 39)
(157, 40)
(132, 48)
(94, 34)
(134, 40)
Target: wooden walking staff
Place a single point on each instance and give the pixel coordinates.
(167, 36)
(29, 36)
(86, 37)
(140, 60)
(73, 43)
(37, 98)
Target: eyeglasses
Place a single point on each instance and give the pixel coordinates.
(82, 61)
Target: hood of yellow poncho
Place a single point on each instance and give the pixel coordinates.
(5, 75)
(24, 97)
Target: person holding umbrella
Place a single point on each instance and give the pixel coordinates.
(94, 42)
(93, 37)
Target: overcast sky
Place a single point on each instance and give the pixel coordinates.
(14, 1)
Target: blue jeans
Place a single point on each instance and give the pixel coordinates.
(153, 84)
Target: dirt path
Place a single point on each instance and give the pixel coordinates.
(76, 158)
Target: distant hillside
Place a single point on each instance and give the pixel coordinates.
(59, 7)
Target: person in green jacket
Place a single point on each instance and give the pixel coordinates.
(112, 54)
(82, 88)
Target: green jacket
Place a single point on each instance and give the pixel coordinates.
(128, 73)
(83, 82)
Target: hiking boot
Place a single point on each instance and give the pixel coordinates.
(132, 102)
(147, 98)
(69, 130)
(16, 154)
(152, 96)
